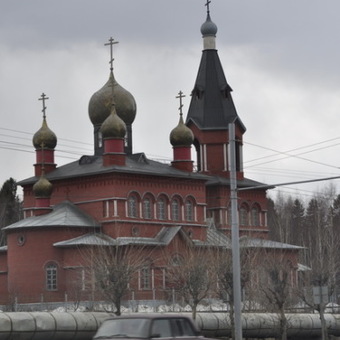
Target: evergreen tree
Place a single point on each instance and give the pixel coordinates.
(298, 214)
(10, 206)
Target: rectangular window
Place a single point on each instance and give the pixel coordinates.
(106, 207)
(51, 277)
(145, 278)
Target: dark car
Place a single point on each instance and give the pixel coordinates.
(147, 326)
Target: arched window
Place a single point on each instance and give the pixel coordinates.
(189, 210)
(132, 206)
(51, 276)
(244, 215)
(175, 209)
(255, 216)
(147, 208)
(161, 208)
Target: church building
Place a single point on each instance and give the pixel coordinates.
(116, 196)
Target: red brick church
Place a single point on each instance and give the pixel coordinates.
(128, 197)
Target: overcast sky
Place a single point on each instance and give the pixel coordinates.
(280, 57)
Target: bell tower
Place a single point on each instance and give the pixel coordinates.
(212, 109)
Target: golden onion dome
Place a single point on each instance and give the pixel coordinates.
(113, 126)
(101, 101)
(42, 188)
(44, 137)
(181, 135)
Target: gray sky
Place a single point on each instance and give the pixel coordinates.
(280, 58)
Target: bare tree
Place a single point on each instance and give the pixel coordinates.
(322, 253)
(190, 273)
(224, 273)
(276, 281)
(113, 268)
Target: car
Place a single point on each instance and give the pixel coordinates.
(148, 326)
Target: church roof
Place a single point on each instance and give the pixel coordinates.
(244, 183)
(163, 238)
(137, 164)
(248, 242)
(64, 214)
(211, 106)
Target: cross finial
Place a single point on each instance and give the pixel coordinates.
(43, 98)
(180, 96)
(207, 4)
(111, 43)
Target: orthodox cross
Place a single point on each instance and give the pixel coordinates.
(111, 43)
(207, 4)
(43, 98)
(180, 96)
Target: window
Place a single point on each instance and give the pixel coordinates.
(243, 215)
(106, 207)
(51, 276)
(189, 210)
(145, 278)
(161, 329)
(147, 208)
(175, 209)
(132, 206)
(161, 208)
(255, 216)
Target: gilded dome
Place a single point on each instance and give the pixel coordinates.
(100, 103)
(208, 27)
(181, 135)
(42, 188)
(44, 137)
(113, 126)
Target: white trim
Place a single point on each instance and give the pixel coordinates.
(225, 157)
(115, 208)
(152, 278)
(241, 156)
(204, 158)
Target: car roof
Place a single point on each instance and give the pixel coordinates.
(149, 316)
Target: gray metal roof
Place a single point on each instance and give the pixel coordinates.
(244, 183)
(248, 242)
(65, 214)
(137, 164)
(215, 238)
(163, 238)
(211, 105)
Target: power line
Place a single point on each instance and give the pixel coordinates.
(287, 155)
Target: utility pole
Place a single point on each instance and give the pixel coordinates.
(235, 237)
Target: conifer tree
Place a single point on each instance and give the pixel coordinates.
(10, 206)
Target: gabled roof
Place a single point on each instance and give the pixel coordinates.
(137, 164)
(65, 214)
(163, 238)
(211, 106)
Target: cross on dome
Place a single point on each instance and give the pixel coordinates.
(111, 43)
(207, 4)
(180, 96)
(43, 98)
